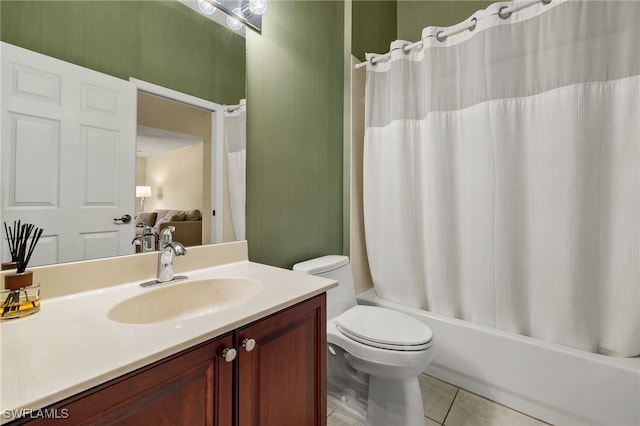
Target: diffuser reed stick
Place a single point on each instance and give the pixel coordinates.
(12, 239)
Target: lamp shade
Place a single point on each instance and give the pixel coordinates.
(143, 191)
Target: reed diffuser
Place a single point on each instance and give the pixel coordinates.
(20, 296)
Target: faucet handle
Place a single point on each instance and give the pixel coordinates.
(168, 230)
(165, 235)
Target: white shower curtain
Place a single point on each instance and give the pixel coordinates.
(502, 174)
(235, 131)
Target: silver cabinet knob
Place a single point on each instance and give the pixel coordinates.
(229, 354)
(248, 344)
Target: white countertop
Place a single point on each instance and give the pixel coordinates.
(71, 345)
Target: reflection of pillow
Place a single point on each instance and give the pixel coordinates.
(159, 222)
(178, 216)
(169, 213)
(193, 215)
(146, 218)
(161, 213)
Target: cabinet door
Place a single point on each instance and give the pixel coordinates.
(194, 387)
(282, 381)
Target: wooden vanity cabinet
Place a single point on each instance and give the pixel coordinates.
(277, 378)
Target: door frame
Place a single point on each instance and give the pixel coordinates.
(217, 147)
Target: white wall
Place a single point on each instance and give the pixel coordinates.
(175, 177)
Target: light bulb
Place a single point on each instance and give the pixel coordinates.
(206, 7)
(258, 7)
(233, 22)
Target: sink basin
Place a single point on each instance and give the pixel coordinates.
(184, 300)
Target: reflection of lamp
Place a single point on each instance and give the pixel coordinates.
(142, 192)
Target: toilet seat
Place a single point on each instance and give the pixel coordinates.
(384, 328)
(401, 362)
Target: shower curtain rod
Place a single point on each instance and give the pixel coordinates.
(504, 12)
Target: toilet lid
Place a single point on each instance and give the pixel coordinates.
(384, 328)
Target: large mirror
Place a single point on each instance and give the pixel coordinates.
(183, 163)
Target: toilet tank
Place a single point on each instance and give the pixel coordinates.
(338, 268)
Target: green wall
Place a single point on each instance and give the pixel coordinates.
(373, 26)
(376, 23)
(162, 42)
(294, 132)
(414, 15)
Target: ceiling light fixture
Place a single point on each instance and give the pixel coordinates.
(258, 7)
(233, 22)
(206, 7)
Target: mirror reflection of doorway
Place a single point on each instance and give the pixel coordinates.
(173, 158)
(193, 164)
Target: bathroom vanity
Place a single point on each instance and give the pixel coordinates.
(252, 360)
(280, 381)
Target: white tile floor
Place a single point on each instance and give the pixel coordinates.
(445, 404)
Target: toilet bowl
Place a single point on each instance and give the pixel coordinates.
(375, 354)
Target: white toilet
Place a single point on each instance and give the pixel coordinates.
(375, 354)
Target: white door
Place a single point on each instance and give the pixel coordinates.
(68, 156)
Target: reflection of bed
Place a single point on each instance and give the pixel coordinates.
(188, 224)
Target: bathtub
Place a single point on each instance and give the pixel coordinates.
(553, 383)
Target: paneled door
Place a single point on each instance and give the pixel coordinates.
(68, 156)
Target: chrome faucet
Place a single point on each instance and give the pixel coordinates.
(146, 241)
(168, 248)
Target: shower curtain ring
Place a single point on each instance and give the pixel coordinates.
(473, 26)
(440, 37)
(546, 1)
(503, 15)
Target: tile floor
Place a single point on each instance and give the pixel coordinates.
(445, 404)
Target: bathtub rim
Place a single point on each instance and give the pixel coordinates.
(582, 409)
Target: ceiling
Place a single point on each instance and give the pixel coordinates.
(151, 141)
